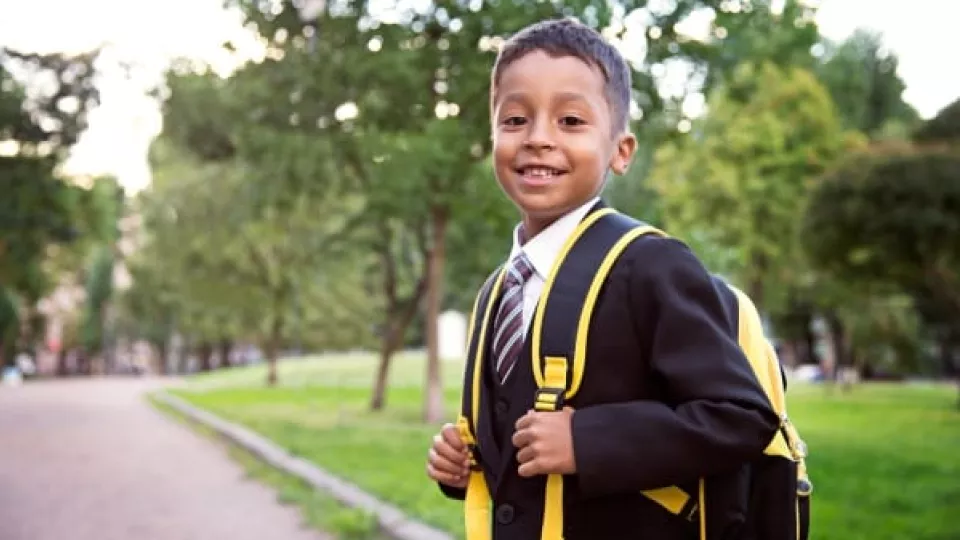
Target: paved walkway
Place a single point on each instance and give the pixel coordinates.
(92, 460)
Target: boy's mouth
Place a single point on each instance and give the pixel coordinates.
(539, 174)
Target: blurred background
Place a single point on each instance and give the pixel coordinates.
(282, 209)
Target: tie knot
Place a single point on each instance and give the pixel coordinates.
(520, 270)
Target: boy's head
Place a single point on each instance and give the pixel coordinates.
(560, 98)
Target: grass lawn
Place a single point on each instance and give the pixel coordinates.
(885, 459)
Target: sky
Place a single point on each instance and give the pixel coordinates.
(151, 32)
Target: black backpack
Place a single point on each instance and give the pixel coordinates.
(779, 487)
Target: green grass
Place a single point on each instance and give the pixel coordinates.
(885, 459)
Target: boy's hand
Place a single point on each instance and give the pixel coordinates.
(448, 461)
(545, 443)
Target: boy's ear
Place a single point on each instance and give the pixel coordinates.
(623, 153)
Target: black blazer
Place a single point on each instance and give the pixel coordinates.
(667, 397)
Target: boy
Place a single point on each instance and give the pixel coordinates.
(668, 396)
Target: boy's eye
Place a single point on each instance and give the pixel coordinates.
(514, 121)
(571, 121)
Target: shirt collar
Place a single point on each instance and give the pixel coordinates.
(543, 249)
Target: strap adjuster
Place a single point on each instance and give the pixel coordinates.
(549, 399)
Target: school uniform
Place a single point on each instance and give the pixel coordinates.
(667, 397)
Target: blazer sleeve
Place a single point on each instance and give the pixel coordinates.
(715, 415)
(457, 494)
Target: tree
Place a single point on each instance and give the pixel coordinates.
(42, 113)
(944, 128)
(738, 182)
(262, 208)
(862, 78)
(44, 102)
(888, 216)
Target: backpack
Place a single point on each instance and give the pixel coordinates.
(779, 487)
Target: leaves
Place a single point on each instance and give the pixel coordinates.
(739, 182)
(891, 216)
(38, 210)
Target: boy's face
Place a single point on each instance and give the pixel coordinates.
(553, 136)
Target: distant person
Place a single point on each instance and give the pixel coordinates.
(667, 395)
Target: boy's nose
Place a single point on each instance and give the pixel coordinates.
(539, 137)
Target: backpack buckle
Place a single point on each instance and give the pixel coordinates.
(550, 395)
(549, 399)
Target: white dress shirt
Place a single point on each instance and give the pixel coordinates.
(542, 251)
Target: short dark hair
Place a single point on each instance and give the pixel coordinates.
(567, 37)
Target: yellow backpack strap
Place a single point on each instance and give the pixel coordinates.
(477, 504)
(765, 366)
(566, 306)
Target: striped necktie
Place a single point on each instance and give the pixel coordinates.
(508, 337)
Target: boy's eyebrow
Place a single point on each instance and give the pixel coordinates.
(571, 96)
(559, 97)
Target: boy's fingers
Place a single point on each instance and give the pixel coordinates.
(530, 468)
(525, 420)
(450, 453)
(445, 477)
(523, 437)
(526, 454)
(443, 464)
(451, 435)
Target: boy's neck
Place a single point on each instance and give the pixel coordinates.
(531, 226)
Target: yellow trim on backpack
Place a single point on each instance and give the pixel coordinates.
(481, 346)
(476, 505)
(672, 498)
(537, 329)
(759, 352)
(583, 328)
(702, 498)
(551, 382)
(476, 508)
(555, 381)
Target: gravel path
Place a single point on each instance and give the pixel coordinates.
(92, 460)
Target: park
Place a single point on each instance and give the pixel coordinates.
(279, 308)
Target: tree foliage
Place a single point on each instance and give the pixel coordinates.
(885, 220)
(891, 216)
(734, 188)
(862, 78)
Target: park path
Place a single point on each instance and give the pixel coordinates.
(92, 460)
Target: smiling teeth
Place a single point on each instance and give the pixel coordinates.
(540, 172)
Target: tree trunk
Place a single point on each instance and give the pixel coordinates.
(433, 397)
(225, 346)
(841, 360)
(272, 348)
(379, 398)
(949, 343)
(205, 354)
(162, 351)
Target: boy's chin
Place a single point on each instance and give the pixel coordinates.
(544, 206)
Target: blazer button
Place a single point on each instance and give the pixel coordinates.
(505, 514)
(502, 406)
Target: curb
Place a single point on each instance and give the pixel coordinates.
(391, 520)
